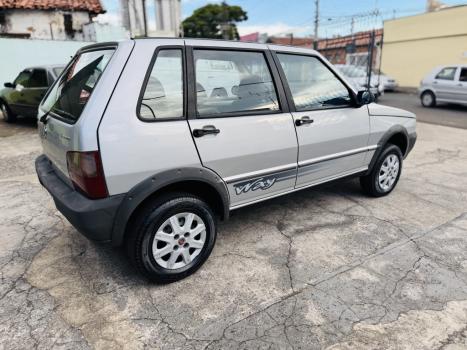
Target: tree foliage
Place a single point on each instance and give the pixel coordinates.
(214, 21)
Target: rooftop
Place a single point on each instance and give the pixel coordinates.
(92, 6)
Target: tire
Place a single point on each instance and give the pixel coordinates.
(375, 183)
(428, 99)
(163, 250)
(8, 115)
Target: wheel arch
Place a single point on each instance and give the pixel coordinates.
(396, 135)
(201, 182)
(430, 90)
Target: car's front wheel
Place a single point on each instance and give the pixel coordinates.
(428, 99)
(385, 174)
(172, 237)
(7, 114)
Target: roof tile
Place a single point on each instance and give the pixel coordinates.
(93, 6)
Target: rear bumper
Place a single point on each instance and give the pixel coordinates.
(93, 218)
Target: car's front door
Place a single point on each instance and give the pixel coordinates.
(243, 130)
(34, 93)
(30, 88)
(444, 84)
(332, 132)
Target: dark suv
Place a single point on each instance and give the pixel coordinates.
(22, 97)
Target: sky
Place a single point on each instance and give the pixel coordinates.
(283, 17)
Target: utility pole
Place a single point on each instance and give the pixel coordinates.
(352, 25)
(315, 41)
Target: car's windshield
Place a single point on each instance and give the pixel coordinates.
(353, 72)
(71, 92)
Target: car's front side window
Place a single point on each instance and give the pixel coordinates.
(447, 73)
(233, 82)
(23, 78)
(312, 84)
(163, 94)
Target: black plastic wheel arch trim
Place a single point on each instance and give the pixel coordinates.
(396, 129)
(152, 184)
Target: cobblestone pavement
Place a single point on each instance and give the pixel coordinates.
(322, 268)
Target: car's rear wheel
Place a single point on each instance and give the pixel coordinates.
(385, 174)
(7, 114)
(428, 99)
(172, 237)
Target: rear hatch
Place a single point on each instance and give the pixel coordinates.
(71, 111)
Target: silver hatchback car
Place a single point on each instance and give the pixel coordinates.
(446, 84)
(147, 143)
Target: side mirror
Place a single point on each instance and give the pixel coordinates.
(365, 97)
(9, 85)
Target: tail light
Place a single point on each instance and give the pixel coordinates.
(86, 173)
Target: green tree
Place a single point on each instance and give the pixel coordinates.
(216, 21)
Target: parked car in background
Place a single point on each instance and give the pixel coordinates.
(386, 82)
(444, 84)
(147, 147)
(23, 95)
(357, 76)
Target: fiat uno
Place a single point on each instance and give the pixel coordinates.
(148, 143)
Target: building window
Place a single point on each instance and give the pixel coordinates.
(68, 23)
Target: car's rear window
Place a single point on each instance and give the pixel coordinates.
(71, 92)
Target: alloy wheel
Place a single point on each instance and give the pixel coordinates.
(388, 172)
(179, 240)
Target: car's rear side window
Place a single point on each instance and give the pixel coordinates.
(233, 82)
(163, 93)
(71, 92)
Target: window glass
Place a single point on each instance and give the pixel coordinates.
(447, 73)
(463, 76)
(71, 92)
(233, 82)
(38, 78)
(23, 78)
(312, 84)
(58, 70)
(163, 96)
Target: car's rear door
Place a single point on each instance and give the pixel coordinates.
(461, 84)
(240, 121)
(332, 132)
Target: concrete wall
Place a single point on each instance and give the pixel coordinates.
(414, 45)
(17, 54)
(39, 24)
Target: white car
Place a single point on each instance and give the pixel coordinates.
(386, 82)
(446, 84)
(358, 77)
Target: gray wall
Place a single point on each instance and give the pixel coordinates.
(17, 54)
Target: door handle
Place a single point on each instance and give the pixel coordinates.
(460, 84)
(435, 82)
(207, 129)
(304, 121)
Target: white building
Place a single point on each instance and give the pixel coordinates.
(47, 19)
(138, 22)
(168, 18)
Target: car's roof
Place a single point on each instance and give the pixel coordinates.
(212, 42)
(47, 66)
